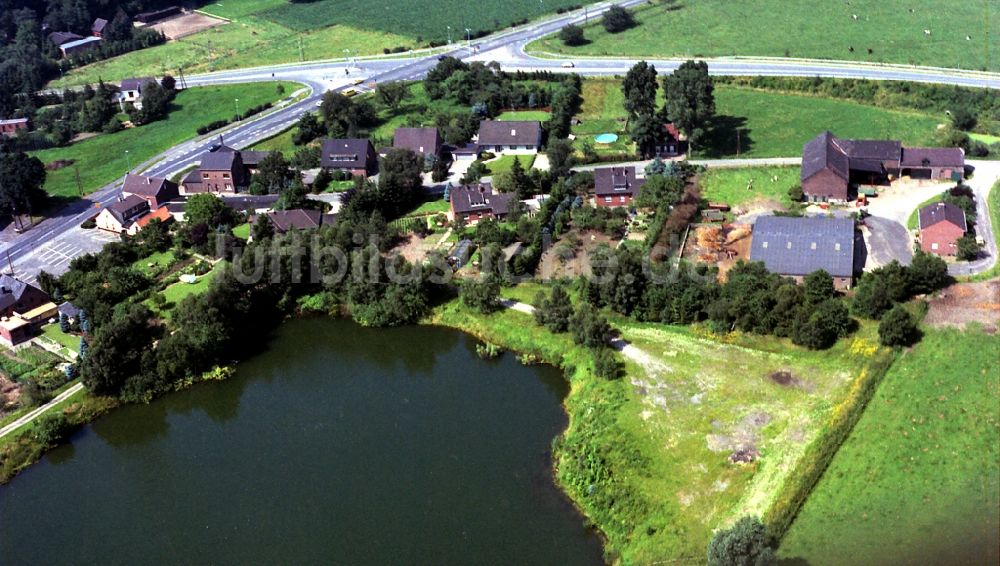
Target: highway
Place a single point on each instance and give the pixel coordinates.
(506, 47)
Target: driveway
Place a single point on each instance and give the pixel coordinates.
(886, 240)
(986, 174)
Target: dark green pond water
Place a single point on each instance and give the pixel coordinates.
(339, 445)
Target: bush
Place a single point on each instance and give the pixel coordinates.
(51, 429)
(572, 35)
(897, 328)
(606, 365)
(745, 543)
(968, 247)
(617, 19)
(89, 224)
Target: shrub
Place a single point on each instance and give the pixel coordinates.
(745, 543)
(606, 365)
(572, 35)
(617, 19)
(51, 429)
(897, 328)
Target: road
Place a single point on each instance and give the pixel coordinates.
(38, 411)
(987, 173)
(505, 47)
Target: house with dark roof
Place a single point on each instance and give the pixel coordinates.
(17, 296)
(295, 219)
(130, 90)
(510, 137)
(157, 191)
(941, 224)
(119, 216)
(616, 186)
(59, 38)
(97, 28)
(79, 46)
(422, 141)
(472, 203)
(10, 128)
(219, 171)
(796, 246)
(831, 166)
(355, 156)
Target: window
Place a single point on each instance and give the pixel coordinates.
(624, 198)
(229, 187)
(764, 245)
(204, 176)
(812, 246)
(225, 175)
(607, 199)
(934, 246)
(788, 245)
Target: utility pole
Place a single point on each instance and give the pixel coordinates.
(79, 185)
(302, 54)
(449, 35)
(737, 142)
(236, 102)
(10, 264)
(128, 159)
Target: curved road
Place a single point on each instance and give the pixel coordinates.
(505, 47)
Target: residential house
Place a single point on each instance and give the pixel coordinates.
(17, 296)
(422, 141)
(14, 331)
(157, 191)
(295, 219)
(220, 172)
(796, 246)
(251, 159)
(162, 214)
(97, 28)
(10, 128)
(131, 91)
(472, 203)
(70, 311)
(119, 216)
(355, 156)
(510, 137)
(616, 186)
(832, 166)
(674, 142)
(941, 225)
(79, 46)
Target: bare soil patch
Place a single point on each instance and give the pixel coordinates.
(570, 256)
(721, 245)
(187, 24)
(963, 303)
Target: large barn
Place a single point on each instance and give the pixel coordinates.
(795, 247)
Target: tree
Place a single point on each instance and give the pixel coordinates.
(617, 19)
(169, 83)
(21, 180)
(519, 179)
(482, 295)
(795, 193)
(399, 181)
(205, 208)
(63, 323)
(322, 181)
(897, 328)
(337, 111)
(690, 99)
(968, 247)
(963, 118)
(116, 353)
(560, 153)
(819, 328)
(392, 94)
(273, 175)
(744, 544)
(661, 191)
(818, 287)
(155, 103)
(51, 429)
(119, 28)
(590, 328)
(554, 312)
(647, 133)
(572, 35)
(606, 364)
(927, 273)
(263, 228)
(308, 129)
(439, 171)
(639, 89)
(476, 171)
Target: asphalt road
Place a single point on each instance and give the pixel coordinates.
(506, 47)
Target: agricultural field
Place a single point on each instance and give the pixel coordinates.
(102, 159)
(659, 442)
(894, 30)
(732, 186)
(769, 124)
(918, 479)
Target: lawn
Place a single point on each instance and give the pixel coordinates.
(892, 29)
(730, 185)
(68, 341)
(993, 207)
(505, 162)
(102, 159)
(177, 292)
(524, 115)
(602, 111)
(242, 231)
(280, 142)
(430, 207)
(150, 264)
(918, 480)
(647, 456)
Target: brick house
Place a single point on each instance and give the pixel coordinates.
(296, 219)
(510, 137)
(355, 156)
(795, 247)
(422, 141)
(10, 128)
(156, 191)
(218, 172)
(674, 143)
(941, 225)
(832, 167)
(616, 186)
(119, 216)
(16, 296)
(472, 203)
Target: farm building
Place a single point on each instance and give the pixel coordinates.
(355, 156)
(12, 126)
(97, 28)
(831, 166)
(616, 186)
(795, 247)
(941, 225)
(510, 137)
(79, 46)
(472, 203)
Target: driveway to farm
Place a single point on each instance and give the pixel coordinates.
(886, 240)
(986, 174)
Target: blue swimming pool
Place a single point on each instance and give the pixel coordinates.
(606, 138)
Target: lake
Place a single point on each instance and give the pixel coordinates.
(339, 444)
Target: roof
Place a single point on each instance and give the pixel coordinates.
(467, 149)
(218, 161)
(824, 152)
(938, 212)
(800, 245)
(69, 309)
(953, 157)
(146, 186)
(79, 43)
(121, 208)
(479, 197)
(881, 150)
(672, 130)
(162, 214)
(346, 153)
(253, 158)
(417, 140)
(63, 37)
(11, 290)
(99, 25)
(494, 132)
(44, 310)
(14, 121)
(135, 83)
(610, 181)
(244, 202)
(295, 219)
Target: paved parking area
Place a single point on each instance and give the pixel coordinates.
(54, 256)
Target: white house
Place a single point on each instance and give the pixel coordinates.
(510, 137)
